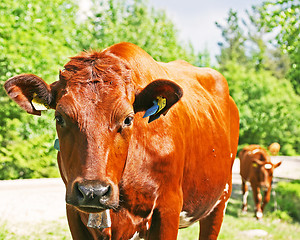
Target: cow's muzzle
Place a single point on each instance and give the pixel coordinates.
(93, 196)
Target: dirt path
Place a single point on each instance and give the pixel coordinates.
(40, 200)
(24, 203)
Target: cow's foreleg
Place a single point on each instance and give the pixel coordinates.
(210, 226)
(165, 219)
(267, 197)
(245, 196)
(257, 200)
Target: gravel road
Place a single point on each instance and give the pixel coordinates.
(39, 200)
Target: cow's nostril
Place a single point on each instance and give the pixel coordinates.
(105, 191)
(105, 194)
(92, 194)
(79, 191)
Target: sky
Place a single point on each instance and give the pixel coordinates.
(195, 19)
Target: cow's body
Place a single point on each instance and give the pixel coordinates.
(156, 176)
(256, 167)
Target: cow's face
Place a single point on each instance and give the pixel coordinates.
(95, 102)
(264, 172)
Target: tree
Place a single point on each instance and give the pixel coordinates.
(269, 108)
(282, 17)
(245, 42)
(36, 36)
(261, 52)
(233, 46)
(268, 105)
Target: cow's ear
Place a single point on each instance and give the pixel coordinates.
(30, 92)
(277, 164)
(157, 97)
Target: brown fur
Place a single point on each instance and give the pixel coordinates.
(180, 162)
(256, 167)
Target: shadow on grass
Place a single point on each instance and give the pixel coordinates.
(234, 207)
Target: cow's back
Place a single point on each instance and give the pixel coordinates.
(246, 156)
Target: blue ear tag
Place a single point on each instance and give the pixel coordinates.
(159, 104)
(56, 144)
(151, 110)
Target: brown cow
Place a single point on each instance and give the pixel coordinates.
(154, 177)
(274, 148)
(256, 167)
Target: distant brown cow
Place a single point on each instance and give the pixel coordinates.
(274, 148)
(256, 167)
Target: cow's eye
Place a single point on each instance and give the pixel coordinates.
(59, 120)
(128, 121)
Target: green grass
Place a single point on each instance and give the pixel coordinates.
(234, 229)
(278, 226)
(53, 230)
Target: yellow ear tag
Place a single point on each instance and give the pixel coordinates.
(161, 102)
(254, 165)
(39, 104)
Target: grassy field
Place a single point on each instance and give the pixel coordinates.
(236, 225)
(275, 226)
(54, 230)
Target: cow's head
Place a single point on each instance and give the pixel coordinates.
(95, 102)
(263, 171)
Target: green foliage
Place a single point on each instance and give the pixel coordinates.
(32, 158)
(4, 233)
(233, 46)
(288, 198)
(278, 214)
(263, 55)
(36, 36)
(268, 104)
(244, 41)
(282, 17)
(269, 108)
